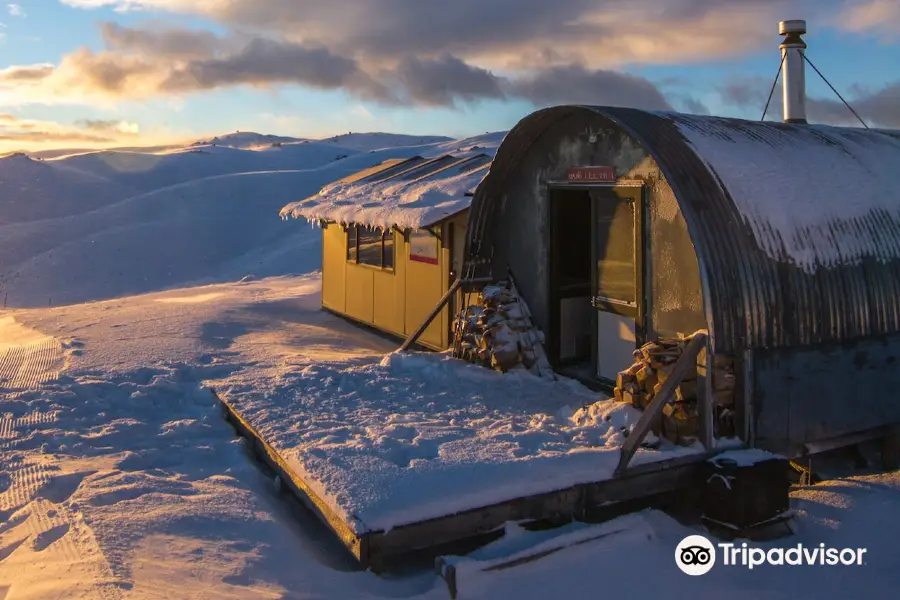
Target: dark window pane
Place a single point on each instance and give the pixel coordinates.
(615, 249)
(423, 247)
(369, 246)
(573, 234)
(388, 252)
(351, 243)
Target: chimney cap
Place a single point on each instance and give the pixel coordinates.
(797, 26)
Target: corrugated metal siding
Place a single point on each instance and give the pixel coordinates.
(823, 392)
(752, 299)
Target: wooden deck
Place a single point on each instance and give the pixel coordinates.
(378, 549)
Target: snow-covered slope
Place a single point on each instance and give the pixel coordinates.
(216, 228)
(152, 171)
(246, 140)
(31, 190)
(375, 141)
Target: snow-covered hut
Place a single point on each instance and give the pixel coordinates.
(393, 239)
(782, 239)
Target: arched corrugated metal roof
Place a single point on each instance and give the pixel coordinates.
(796, 227)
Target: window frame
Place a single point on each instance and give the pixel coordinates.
(352, 254)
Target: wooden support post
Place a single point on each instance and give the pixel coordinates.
(687, 361)
(705, 397)
(437, 309)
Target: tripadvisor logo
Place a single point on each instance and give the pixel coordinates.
(696, 555)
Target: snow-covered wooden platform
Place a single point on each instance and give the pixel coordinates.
(421, 451)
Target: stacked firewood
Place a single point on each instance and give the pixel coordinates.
(654, 361)
(498, 333)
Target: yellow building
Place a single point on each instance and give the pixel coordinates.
(393, 240)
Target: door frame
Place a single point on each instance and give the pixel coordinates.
(635, 191)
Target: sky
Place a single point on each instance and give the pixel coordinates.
(91, 73)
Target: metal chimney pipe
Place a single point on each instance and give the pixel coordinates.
(793, 70)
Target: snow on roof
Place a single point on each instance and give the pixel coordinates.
(413, 193)
(799, 188)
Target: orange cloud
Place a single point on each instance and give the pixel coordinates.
(17, 133)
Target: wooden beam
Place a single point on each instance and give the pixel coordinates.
(705, 397)
(355, 543)
(437, 309)
(687, 361)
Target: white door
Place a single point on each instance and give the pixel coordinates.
(616, 341)
(616, 279)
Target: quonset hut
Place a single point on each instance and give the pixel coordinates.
(781, 239)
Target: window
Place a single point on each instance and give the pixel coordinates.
(615, 250)
(372, 247)
(387, 250)
(369, 241)
(423, 246)
(351, 243)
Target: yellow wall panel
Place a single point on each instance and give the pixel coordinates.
(334, 253)
(425, 285)
(389, 299)
(360, 293)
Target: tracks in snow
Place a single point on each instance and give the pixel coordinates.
(38, 522)
(27, 366)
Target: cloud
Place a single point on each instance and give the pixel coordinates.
(32, 131)
(501, 34)
(176, 43)
(129, 73)
(874, 17)
(443, 81)
(25, 74)
(109, 126)
(262, 62)
(879, 107)
(143, 63)
(578, 85)
(15, 11)
(694, 106)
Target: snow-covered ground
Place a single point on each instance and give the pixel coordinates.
(120, 479)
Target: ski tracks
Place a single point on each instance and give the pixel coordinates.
(27, 366)
(37, 517)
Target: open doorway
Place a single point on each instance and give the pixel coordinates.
(573, 316)
(596, 272)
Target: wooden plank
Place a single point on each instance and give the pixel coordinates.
(705, 397)
(641, 481)
(687, 360)
(354, 542)
(376, 549)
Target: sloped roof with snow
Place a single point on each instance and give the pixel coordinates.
(410, 193)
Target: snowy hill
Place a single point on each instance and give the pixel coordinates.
(246, 140)
(147, 172)
(107, 224)
(376, 141)
(33, 189)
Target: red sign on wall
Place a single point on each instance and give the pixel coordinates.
(591, 174)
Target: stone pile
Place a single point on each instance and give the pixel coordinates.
(498, 333)
(654, 361)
